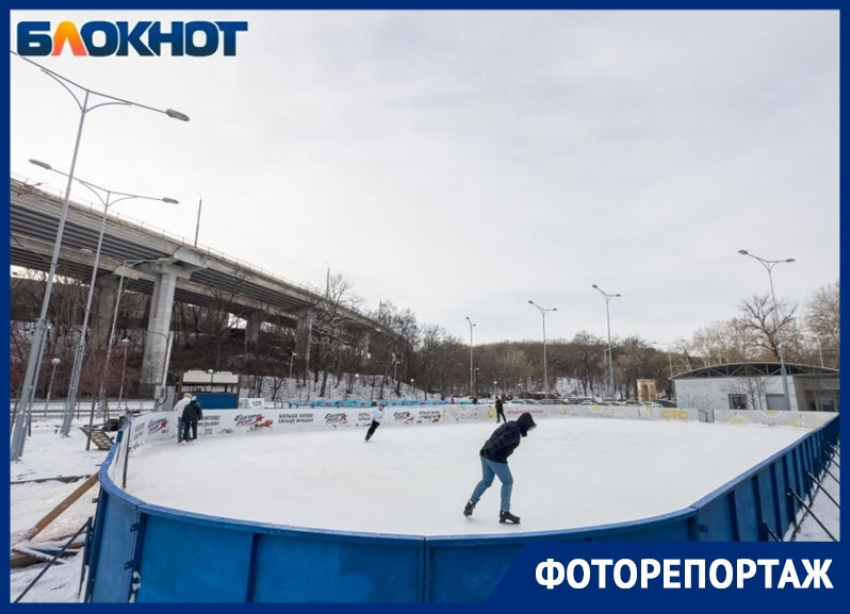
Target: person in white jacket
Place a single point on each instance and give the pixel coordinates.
(178, 410)
(377, 418)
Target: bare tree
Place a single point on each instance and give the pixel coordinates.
(758, 319)
(823, 311)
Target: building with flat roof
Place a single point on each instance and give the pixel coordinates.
(758, 386)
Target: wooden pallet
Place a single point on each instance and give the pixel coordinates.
(99, 438)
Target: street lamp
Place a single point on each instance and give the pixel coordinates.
(608, 298)
(395, 373)
(80, 349)
(198, 223)
(412, 391)
(768, 265)
(37, 347)
(55, 362)
(125, 342)
(289, 381)
(669, 356)
(210, 372)
(543, 311)
(471, 371)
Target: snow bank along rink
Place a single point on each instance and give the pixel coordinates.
(414, 480)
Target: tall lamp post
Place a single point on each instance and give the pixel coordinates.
(38, 342)
(198, 223)
(471, 371)
(395, 373)
(543, 312)
(768, 265)
(124, 342)
(55, 362)
(289, 381)
(106, 198)
(608, 298)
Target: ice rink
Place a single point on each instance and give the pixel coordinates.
(414, 480)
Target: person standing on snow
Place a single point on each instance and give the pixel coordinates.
(494, 462)
(500, 409)
(191, 414)
(178, 410)
(377, 418)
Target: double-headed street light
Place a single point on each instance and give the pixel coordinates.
(608, 298)
(38, 342)
(106, 198)
(543, 312)
(768, 265)
(471, 362)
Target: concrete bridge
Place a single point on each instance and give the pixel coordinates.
(162, 266)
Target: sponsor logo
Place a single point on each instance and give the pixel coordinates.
(156, 425)
(403, 416)
(336, 419)
(121, 38)
(674, 414)
(261, 424)
(247, 419)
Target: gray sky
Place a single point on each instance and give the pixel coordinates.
(461, 163)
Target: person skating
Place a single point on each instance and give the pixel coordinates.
(191, 414)
(500, 409)
(178, 410)
(377, 418)
(494, 462)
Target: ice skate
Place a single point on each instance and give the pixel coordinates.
(467, 511)
(508, 518)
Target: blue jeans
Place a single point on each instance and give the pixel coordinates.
(180, 428)
(502, 471)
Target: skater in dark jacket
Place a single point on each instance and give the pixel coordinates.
(500, 410)
(494, 462)
(191, 414)
(377, 418)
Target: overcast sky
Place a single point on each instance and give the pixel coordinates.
(461, 163)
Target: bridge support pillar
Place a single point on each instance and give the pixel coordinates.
(154, 364)
(304, 341)
(107, 293)
(165, 272)
(363, 341)
(252, 332)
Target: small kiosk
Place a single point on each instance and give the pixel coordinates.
(214, 389)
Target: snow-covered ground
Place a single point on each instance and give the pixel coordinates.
(569, 472)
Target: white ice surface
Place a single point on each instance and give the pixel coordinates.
(568, 473)
(49, 455)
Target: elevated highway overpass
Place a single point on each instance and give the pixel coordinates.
(162, 266)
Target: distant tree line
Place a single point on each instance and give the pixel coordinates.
(328, 351)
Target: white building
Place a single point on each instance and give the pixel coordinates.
(758, 386)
